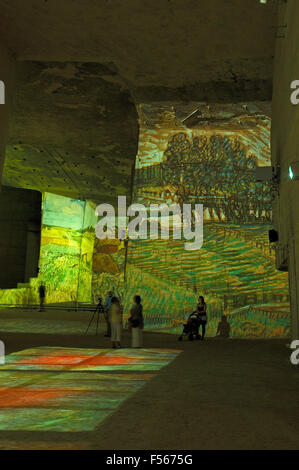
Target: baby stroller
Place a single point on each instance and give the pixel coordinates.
(191, 328)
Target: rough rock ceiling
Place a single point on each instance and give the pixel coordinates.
(175, 48)
(73, 131)
(85, 64)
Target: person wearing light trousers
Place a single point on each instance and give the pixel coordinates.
(115, 317)
(136, 322)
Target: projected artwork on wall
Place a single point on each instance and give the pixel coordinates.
(108, 268)
(208, 154)
(195, 153)
(71, 390)
(65, 266)
(67, 242)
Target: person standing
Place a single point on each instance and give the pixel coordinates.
(42, 295)
(107, 309)
(201, 311)
(136, 322)
(116, 321)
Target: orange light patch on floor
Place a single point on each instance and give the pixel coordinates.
(22, 397)
(70, 390)
(55, 360)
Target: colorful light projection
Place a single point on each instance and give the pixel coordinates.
(67, 241)
(108, 268)
(66, 249)
(45, 444)
(208, 154)
(61, 389)
(47, 358)
(195, 153)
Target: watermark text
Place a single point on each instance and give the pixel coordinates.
(139, 222)
(295, 354)
(2, 92)
(295, 94)
(2, 353)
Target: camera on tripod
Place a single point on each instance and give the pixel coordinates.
(99, 309)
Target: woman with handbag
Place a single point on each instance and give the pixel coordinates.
(201, 311)
(136, 322)
(116, 320)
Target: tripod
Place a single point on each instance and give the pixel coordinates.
(99, 309)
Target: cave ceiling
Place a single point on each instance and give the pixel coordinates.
(84, 67)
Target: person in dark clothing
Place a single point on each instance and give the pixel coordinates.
(42, 295)
(201, 311)
(136, 322)
(107, 309)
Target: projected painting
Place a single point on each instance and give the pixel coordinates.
(208, 154)
(108, 268)
(66, 248)
(71, 390)
(67, 243)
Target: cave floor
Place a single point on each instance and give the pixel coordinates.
(215, 394)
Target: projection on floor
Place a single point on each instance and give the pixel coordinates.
(208, 154)
(71, 390)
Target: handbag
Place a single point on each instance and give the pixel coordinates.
(202, 317)
(135, 323)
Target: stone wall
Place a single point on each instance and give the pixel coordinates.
(20, 223)
(285, 150)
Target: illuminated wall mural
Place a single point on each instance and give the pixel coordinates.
(187, 153)
(67, 243)
(108, 268)
(65, 266)
(208, 154)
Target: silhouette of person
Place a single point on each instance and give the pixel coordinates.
(136, 322)
(223, 329)
(201, 311)
(107, 308)
(42, 295)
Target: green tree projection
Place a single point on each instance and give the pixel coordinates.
(219, 173)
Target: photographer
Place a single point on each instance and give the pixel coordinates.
(42, 295)
(201, 311)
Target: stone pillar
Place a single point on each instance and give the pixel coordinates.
(7, 71)
(20, 209)
(293, 283)
(285, 149)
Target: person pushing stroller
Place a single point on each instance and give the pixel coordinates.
(201, 311)
(196, 319)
